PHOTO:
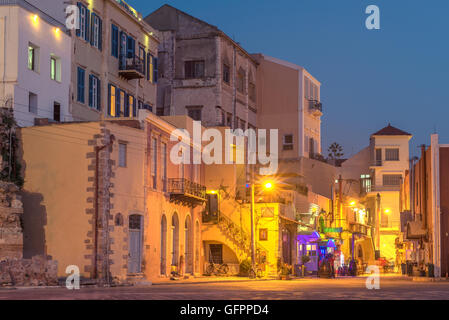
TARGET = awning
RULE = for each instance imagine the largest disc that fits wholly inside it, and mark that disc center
(415, 230)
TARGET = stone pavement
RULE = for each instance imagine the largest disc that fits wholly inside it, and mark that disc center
(391, 288)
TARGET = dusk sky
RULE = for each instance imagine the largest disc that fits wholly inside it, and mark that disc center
(398, 74)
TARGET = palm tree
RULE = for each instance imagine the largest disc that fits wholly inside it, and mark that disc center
(335, 151)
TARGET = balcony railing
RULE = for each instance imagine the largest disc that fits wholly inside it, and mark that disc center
(316, 107)
(131, 68)
(383, 188)
(186, 192)
(376, 163)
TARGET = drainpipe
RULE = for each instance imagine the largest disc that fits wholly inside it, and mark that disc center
(424, 184)
(98, 149)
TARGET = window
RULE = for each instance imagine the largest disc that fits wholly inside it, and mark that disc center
(392, 154)
(114, 41)
(263, 234)
(122, 154)
(112, 105)
(130, 47)
(378, 161)
(194, 113)
(132, 112)
(33, 57)
(226, 74)
(365, 180)
(150, 68)
(252, 92)
(120, 110)
(241, 81)
(216, 253)
(154, 162)
(155, 70)
(164, 166)
(288, 142)
(95, 92)
(160, 111)
(194, 69)
(143, 58)
(392, 179)
(80, 86)
(55, 68)
(32, 103)
(96, 32)
(84, 22)
(57, 112)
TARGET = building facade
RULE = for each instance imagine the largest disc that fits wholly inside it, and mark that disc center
(35, 64)
(425, 209)
(114, 62)
(203, 73)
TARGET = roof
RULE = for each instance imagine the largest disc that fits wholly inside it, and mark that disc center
(391, 131)
(168, 8)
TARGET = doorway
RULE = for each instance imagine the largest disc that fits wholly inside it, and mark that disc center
(135, 244)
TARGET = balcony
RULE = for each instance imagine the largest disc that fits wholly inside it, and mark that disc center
(185, 192)
(383, 188)
(356, 227)
(131, 68)
(376, 163)
(316, 107)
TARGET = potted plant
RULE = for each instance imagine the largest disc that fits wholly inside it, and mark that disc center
(304, 260)
(285, 271)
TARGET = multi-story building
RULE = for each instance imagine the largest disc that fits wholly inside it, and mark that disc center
(114, 61)
(425, 207)
(124, 210)
(289, 100)
(35, 63)
(203, 73)
(380, 169)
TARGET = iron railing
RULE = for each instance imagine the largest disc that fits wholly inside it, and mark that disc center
(186, 187)
(131, 64)
(315, 105)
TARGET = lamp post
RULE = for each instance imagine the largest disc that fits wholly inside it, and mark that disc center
(268, 186)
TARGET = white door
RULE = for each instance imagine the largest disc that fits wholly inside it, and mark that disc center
(135, 244)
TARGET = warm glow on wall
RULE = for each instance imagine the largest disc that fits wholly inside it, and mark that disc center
(387, 211)
(35, 20)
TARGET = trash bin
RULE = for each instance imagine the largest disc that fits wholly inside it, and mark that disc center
(430, 270)
(404, 268)
(409, 269)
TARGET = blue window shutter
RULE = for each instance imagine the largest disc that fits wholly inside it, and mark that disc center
(90, 90)
(92, 25)
(98, 94)
(148, 66)
(78, 31)
(126, 106)
(134, 108)
(78, 96)
(117, 103)
(114, 41)
(100, 34)
(87, 25)
(155, 71)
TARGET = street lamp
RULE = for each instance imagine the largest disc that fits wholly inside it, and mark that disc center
(268, 186)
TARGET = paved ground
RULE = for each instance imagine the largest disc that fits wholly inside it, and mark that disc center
(340, 288)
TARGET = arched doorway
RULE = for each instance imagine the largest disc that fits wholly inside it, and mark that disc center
(175, 239)
(163, 245)
(197, 247)
(188, 245)
(135, 243)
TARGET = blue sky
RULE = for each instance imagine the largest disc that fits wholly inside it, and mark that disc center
(398, 74)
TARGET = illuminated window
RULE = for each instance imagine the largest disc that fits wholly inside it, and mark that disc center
(33, 57)
(53, 68)
(112, 100)
(131, 107)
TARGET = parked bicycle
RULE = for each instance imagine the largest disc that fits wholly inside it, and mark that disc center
(217, 269)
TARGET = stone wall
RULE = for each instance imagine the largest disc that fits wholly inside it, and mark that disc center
(14, 270)
(11, 235)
